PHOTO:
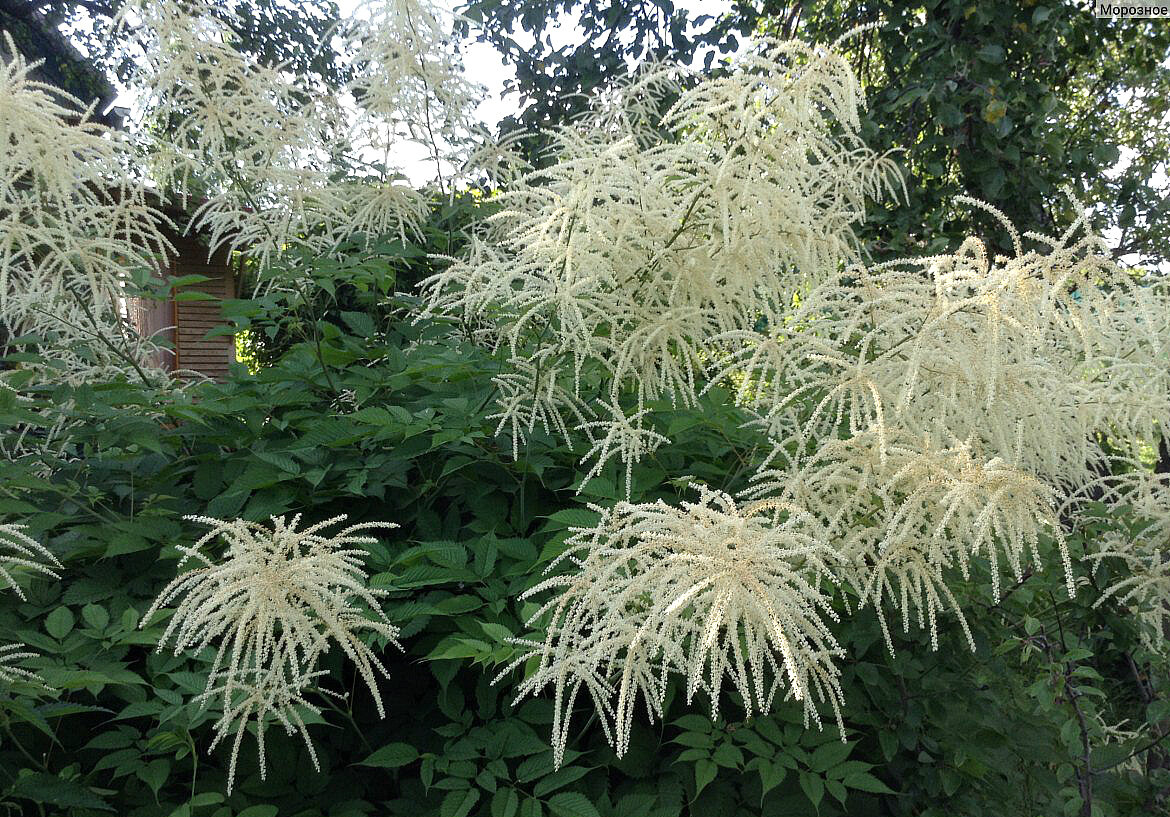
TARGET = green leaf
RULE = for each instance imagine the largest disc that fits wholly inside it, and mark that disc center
(95, 616)
(51, 790)
(693, 723)
(186, 280)
(155, 774)
(259, 811)
(59, 623)
(813, 787)
(360, 322)
(505, 803)
(771, 775)
(282, 461)
(459, 647)
(829, 755)
(571, 804)
(194, 295)
(572, 518)
(459, 803)
(392, 756)
(697, 740)
(560, 779)
(728, 755)
(990, 53)
(863, 781)
(705, 771)
(496, 632)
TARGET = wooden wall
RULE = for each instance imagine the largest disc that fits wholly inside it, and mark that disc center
(156, 319)
(189, 321)
(193, 319)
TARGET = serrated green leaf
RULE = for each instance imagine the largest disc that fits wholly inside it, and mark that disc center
(54, 791)
(59, 623)
(95, 616)
(559, 779)
(571, 804)
(391, 756)
(505, 803)
(259, 811)
(705, 771)
(866, 782)
(829, 755)
(459, 803)
(813, 787)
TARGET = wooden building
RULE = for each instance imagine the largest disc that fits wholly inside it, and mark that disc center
(184, 324)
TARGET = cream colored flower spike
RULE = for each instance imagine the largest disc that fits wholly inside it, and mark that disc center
(74, 223)
(19, 550)
(654, 233)
(277, 164)
(270, 606)
(709, 591)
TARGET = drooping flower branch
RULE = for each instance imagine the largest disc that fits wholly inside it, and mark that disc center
(271, 162)
(709, 591)
(933, 417)
(270, 606)
(641, 243)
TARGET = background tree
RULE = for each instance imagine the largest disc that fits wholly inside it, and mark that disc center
(84, 63)
(1005, 101)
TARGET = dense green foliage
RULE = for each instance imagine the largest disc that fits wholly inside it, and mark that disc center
(365, 413)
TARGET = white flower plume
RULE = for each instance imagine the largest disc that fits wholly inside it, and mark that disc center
(275, 163)
(709, 591)
(19, 550)
(12, 674)
(270, 606)
(74, 225)
(653, 233)
(530, 393)
(1143, 552)
(1021, 362)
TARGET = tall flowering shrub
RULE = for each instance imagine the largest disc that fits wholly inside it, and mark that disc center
(924, 413)
(915, 425)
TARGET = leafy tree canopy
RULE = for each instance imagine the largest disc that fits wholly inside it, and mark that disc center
(275, 31)
(1003, 100)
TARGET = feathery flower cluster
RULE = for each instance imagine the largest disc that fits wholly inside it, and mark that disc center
(73, 226)
(278, 163)
(27, 553)
(1144, 554)
(1019, 361)
(529, 394)
(906, 512)
(19, 550)
(651, 234)
(925, 414)
(12, 674)
(271, 607)
(707, 591)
